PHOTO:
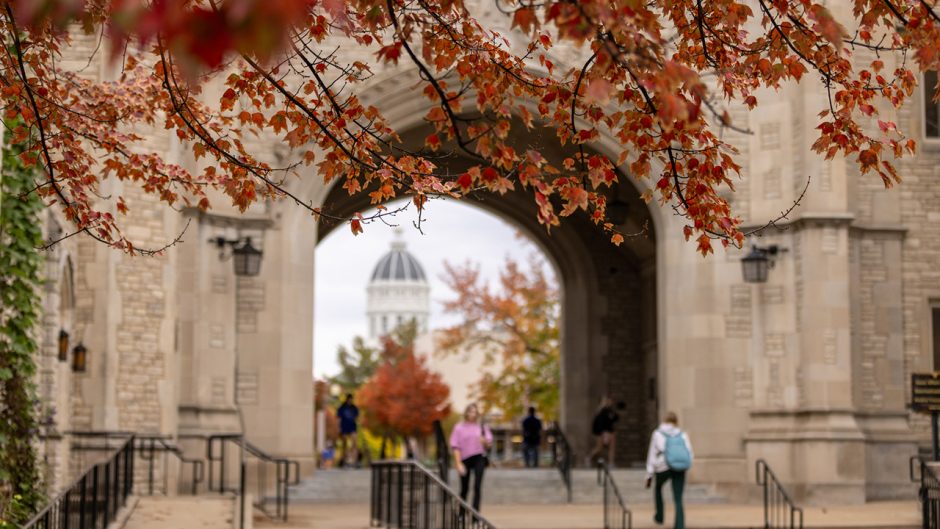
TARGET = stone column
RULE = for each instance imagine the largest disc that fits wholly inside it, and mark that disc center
(275, 341)
(206, 330)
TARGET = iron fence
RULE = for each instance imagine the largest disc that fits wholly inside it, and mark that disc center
(406, 495)
(779, 509)
(929, 492)
(93, 500)
(616, 513)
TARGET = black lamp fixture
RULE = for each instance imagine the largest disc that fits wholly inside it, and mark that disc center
(246, 257)
(63, 345)
(79, 358)
(756, 264)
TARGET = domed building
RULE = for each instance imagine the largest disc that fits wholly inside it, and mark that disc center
(398, 292)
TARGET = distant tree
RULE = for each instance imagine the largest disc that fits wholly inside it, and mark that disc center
(322, 401)
(356, 364)
(404, 397)
(517, 327)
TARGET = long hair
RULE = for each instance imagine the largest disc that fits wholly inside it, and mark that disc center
(473, 406)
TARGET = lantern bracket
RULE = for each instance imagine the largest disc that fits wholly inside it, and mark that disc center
(247, 257)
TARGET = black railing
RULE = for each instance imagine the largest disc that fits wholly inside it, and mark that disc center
(562, 457)
(929, 492)
(153, 451)
(442, 449)
(152, 448)
(779, 509)
(616, 513)
(93, 500)
(405, 494)
(230, 456)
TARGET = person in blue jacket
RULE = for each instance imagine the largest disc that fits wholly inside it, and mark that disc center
(348, 414)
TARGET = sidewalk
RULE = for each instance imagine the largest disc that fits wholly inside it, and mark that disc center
(182, 512)
(882, 515)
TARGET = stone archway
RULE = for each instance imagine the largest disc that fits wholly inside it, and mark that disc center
(608, 304)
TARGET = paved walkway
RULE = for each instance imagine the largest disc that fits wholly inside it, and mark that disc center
(182, 512)
(883, 515)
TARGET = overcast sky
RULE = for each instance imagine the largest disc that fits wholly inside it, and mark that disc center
(452, 231)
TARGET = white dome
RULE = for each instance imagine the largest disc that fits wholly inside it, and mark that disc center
(398, 265)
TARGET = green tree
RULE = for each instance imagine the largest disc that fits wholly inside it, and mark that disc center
(20, 306)
(517, 327)
(356, 363)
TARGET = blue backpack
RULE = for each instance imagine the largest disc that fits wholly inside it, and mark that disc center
(677, 452)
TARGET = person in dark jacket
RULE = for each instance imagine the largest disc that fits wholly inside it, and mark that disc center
(348, 414)
(603, 430)
(531, 439)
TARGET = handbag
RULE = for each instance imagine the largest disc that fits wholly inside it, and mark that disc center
(486, 450)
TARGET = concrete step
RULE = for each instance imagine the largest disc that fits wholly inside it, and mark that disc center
(541, 486)
(882, 515)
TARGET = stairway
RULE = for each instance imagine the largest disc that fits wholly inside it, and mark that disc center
(500, 487)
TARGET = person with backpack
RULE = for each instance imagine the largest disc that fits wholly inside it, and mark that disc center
(669, 457)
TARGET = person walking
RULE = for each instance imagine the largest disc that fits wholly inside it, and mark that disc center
(348, 414)
(603, 430)
(531, 439)
(469, 441)
(668, 459)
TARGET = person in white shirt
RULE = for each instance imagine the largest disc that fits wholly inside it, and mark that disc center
(671, 468)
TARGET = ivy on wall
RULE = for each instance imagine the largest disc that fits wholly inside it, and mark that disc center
(20, 308)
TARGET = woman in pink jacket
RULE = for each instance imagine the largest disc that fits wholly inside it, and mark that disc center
(470, 440)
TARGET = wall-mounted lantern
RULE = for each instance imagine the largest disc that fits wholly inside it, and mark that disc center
(247, 258)
(63, 345)
(79, 358)
(756, 264)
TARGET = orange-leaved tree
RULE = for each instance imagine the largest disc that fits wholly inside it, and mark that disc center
(516, 326)
(653, 80)
(403, 397)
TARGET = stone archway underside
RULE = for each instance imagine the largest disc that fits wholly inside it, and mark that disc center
(609, 306)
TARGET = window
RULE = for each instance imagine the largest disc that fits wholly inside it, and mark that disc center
(931, 107)
(384, 324)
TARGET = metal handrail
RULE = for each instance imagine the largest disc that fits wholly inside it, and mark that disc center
(147, 447)
(612, 492)
(286, 473)
(779, 509)
(93, 499)
(562, 457)
(407, 494)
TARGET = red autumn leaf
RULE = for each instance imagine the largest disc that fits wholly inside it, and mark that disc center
(525, 19)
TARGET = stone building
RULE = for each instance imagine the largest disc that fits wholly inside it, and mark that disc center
(809, 370)
(398, 293)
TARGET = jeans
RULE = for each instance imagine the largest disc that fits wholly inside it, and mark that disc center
(530, 454)
(475, 467)
(678, 484)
